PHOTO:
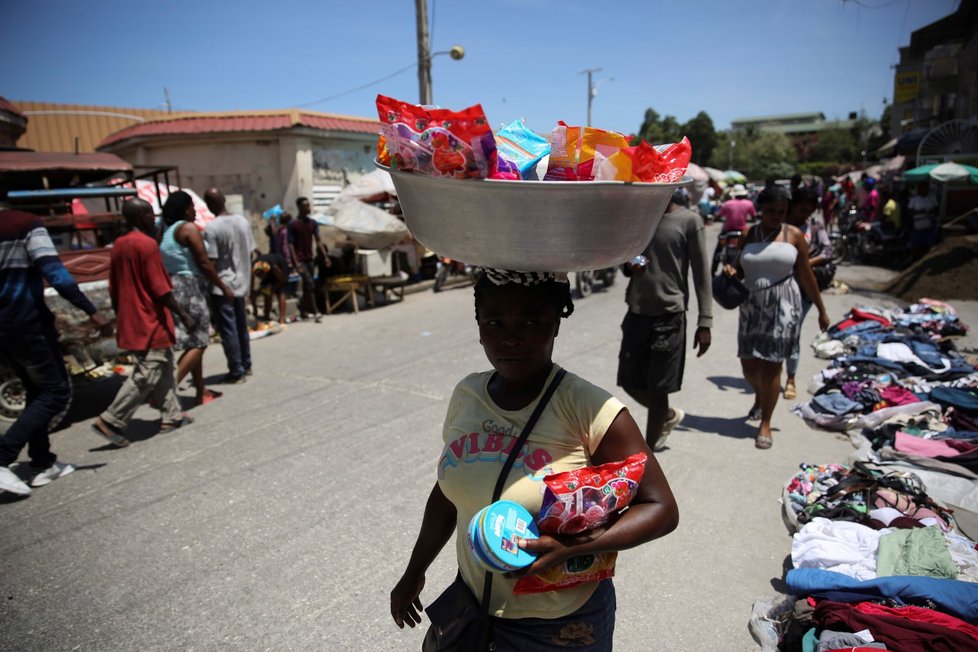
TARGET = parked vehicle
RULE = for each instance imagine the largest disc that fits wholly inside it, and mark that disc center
(585, 280)
(857, 240)
(79, 198)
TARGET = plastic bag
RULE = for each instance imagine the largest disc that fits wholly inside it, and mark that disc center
(521, 146)
(588, 154)
(767, 619)
(585, 498)
(437, 142)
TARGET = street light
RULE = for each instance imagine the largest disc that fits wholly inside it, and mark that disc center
(424, 55)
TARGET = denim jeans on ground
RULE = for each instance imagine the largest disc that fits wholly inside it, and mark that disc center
(153, 373)
(232, 325)
(589, 629)
(36, 360)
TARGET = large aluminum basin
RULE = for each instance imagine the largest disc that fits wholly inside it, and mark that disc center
(533, 226)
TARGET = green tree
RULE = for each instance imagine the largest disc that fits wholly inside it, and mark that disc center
(754, 155)
(702, 136)
(651, 129)
(835, 145)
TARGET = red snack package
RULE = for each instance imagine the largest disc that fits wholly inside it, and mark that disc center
(579, 500)
(438, 142)
(585, 498)
(643, 162)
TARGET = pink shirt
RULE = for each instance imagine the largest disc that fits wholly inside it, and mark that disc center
(735, 213)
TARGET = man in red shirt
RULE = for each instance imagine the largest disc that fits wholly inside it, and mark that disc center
(141, 295)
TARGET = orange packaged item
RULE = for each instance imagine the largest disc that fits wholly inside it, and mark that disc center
(575, 151)
(438, 142)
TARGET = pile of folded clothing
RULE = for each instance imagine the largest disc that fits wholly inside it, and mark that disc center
(876, 563)
(883, 553)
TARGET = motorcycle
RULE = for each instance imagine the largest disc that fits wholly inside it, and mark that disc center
(856, 240)
(446, 268)
(585, 280)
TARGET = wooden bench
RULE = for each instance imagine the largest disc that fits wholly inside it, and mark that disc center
(350, 287)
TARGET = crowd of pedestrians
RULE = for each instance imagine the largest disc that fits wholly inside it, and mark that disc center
(166, 284)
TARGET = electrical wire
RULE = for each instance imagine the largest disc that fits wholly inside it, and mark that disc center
(358, 88)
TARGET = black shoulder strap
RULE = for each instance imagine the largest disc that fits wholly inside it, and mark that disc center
(541, 404)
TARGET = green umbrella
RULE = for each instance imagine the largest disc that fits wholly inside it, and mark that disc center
(943, 172)
(735, 177)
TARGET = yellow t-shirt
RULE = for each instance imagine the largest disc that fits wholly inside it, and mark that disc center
(891, 211)
(478, 435)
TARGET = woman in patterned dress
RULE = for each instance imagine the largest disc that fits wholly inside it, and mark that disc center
(185, 258)
(772, 254)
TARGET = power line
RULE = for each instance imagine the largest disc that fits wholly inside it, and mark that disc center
(358, 88)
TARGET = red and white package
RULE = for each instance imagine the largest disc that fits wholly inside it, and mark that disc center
(585, 498)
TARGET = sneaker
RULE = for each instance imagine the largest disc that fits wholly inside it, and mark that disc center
(677, 417)
(234, 380)
(55, 471)
(10, 482)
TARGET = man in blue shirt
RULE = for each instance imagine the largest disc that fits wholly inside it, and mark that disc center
(29, 343)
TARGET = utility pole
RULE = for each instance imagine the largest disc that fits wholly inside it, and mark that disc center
(166, 100)
(424, 57)
(590, 90)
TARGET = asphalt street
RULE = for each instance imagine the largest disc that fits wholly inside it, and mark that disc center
(283, 516)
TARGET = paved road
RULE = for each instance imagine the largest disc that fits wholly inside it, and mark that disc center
(283, 516)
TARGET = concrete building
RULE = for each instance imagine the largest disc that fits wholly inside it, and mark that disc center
(266, 157)
(936, 80)
(791, 124)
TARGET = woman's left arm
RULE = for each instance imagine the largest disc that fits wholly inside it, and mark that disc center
(805, 276)
(652, 514)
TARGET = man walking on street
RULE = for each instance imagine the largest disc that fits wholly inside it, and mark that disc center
(141, 295)
(231, 244)
(653, 347)
(305, 245)
(29, 343)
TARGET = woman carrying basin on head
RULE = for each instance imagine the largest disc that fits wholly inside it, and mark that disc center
(519, 316)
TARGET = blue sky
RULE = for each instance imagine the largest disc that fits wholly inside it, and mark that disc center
(731, 59)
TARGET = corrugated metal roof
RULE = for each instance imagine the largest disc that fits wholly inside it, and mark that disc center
(53, 127)
(34, 161)
(810, 116)
(240, 121)
(6, 105)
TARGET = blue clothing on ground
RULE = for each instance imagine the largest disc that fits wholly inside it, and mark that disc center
(954, 596)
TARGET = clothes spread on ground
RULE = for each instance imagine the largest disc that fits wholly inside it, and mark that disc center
(877, 561)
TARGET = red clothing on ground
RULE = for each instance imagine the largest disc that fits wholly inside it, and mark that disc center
(735, 213)
(137, 281)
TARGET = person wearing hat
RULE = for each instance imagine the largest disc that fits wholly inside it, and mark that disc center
(737, 210)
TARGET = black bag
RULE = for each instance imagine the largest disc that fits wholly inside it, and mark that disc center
(824, 275)
(460, 623)
(728, 291)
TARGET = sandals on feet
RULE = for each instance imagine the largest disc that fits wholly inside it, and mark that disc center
(789, 390)
(763, 442)
(105, 431)
(173, 425)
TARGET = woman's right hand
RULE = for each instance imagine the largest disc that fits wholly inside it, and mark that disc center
(406, 602)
